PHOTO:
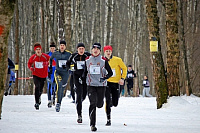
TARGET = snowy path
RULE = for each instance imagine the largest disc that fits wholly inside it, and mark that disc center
(133, 115)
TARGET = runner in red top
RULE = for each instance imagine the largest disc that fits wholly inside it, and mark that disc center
(38, 64)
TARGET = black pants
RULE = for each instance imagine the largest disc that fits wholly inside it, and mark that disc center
(129, 85)
(112, 96)
(81, 92)
(61, 78)
(72, 93)
(96, 96)
(39, 84)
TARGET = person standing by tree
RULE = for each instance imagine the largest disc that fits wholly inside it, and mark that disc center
(61, 73)
(78, 59)
(130, 75)
(146, 88)
(38, 64)
(51, 83)
(97, 70)
(114, 82)
(10, 66)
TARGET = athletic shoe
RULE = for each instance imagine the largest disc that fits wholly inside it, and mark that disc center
(37, 106)
(108, 123)
(93, 128)
(73, 101)
(58, 107)
(79, 120)
(49, 104)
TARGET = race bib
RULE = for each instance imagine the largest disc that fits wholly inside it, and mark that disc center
(80, 64)
(144, 82)
(94, 69)
(130, 75)
(114, 73)
(38, 64)
(62, 62)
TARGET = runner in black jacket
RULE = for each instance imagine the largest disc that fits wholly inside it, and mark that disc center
(78, 59)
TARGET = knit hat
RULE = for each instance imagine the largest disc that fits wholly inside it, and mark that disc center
(97, 45)
(129, 66)
(80, 45)
(52, 44)
(108, 47)
(63, 42)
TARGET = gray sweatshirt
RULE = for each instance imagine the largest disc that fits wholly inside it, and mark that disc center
(96, 68)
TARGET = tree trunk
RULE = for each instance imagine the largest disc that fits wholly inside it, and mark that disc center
(6, 14)
(173, 51)
(184, 50)
(68, 27)
(156, 57)
(16, 46)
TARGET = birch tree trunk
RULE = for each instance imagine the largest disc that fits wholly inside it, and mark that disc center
(6, 14)
(173, 51)
(156, 57)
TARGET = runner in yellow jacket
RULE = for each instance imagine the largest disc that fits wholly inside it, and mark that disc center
(119, 74)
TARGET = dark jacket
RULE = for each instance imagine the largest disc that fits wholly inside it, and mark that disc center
(10, 65)
(78, 61)
(61, 60)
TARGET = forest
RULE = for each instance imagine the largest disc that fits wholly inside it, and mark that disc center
(129, 26)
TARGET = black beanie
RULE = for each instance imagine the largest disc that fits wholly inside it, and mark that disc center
(97, 45)
(63, 42)
(52, 44)
(80, 45)
(129, 66)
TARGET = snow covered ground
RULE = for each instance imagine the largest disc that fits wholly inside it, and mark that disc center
(133, 115)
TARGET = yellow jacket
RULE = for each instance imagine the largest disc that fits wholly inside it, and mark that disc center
(117, 65)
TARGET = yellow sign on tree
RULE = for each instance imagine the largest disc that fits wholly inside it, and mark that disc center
(153, 46)
(16, 67)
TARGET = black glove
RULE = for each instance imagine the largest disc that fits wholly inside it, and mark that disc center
(83, 66)
(102, 80)
(63, 66)
(50, 70)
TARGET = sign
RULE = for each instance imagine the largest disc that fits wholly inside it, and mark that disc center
(153, 46)
(16, 67)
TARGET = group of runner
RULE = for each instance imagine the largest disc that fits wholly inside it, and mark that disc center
(93, 75)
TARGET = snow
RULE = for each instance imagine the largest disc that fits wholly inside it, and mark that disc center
(133, 115)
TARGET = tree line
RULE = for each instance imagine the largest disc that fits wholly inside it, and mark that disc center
(127, 25)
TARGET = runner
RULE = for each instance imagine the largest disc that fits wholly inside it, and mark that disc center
(97, 70)
(78, 59)
(38, 64)
(119, 74)
(61, 73)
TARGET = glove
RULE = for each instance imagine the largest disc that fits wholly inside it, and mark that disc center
(83, 66)
(63, 66)
(50, 70)
(32, 69)
(102, 80)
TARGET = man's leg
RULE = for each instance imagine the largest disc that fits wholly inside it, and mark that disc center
(108, 104)
(92, 94)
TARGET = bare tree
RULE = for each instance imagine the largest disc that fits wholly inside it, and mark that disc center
(6, 14)
(173, 51)
(156, 57)
(16, 45)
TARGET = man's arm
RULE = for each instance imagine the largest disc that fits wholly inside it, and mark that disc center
(109, 70)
